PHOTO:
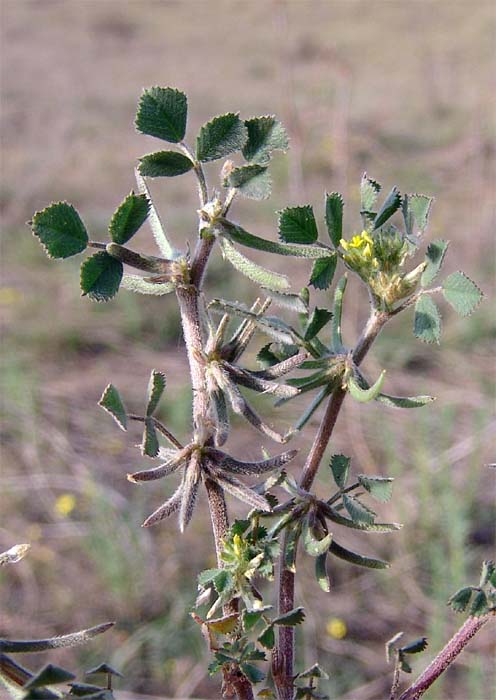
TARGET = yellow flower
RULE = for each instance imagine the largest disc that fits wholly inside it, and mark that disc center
(65, 504)
(336, 628)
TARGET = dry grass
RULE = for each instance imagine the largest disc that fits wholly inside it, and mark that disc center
(400, 89)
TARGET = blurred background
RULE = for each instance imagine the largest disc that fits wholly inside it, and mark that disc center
(402, 90)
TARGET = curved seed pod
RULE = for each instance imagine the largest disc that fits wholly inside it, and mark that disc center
(242, 407)
(236, 466)
(191, 481)
(166, 509)
(247, 379)
(67, 640)
(168, 467)
(238, 489)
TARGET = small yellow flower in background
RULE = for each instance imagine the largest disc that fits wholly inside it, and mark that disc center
(336, 628)
(65, 504)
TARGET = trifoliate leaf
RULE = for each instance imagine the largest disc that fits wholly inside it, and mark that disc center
(149, 445)
(60, 230)
(265, 135)
(268, 638)
(479, 605)
(164, 164)
(220, 137)
(291, 618)
(321, 572)
(365, 395)
(254, 272)
(162, 112)
(415, 647)
(323, 272)
(49, 675)
(112, 403)
(404, 401)
(379, 487)
(427, 321)
(354, 558)
(463, 294)
(252, 181)
(156, 387)
(297, 225)
(340, 467)
(460, 599)
(101, 276)
(391, 204)
(357, 510)
(334, 217)
(434, 257)
(253, 673)
(128, 218)
(317, 321)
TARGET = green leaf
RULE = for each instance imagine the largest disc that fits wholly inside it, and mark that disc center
(145, 285)
(49, 675)
(317, 321)
(427, 321)
(479, 605)
(354, 558)
(379, 487)
(220, 137)
(290, 619)
(39, 694)
(265, 135)
(334, 217)
(487, 572)
(297, 225)
(357, 510)
(103, 669)
(404, 401)
(254, 272)
(112, 403)
(268, 638)
(323, 272)
(321, 572)
(252, 617)
(128, 218)
(293, 535)
(369, 191)
(239, 235)
(313, 546)
(162, 112)
(252, 181)
(365, 395)
(404, 665)
(419, 208)
(164, 164)
(460, 599)
(391, 204)
(340, 467)
(336, 333)
(208, 576)
(252, 672)
(156, 387)
(101, 276)
(336, 517)
(150, 445)
(434, 257)
(415, 647)
(463, 294)
(60, 230)
(314, 671)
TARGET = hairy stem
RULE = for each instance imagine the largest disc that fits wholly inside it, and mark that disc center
(283, 660)
(446, 657)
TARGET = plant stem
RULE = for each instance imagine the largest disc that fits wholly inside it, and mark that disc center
(446, 657)
(283, 659)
